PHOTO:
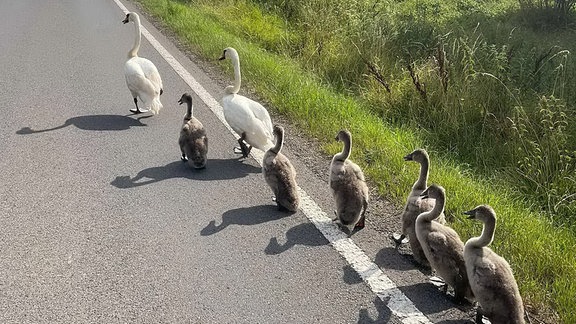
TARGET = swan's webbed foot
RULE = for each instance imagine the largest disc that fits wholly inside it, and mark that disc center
(137, 110)
(245, 149)
(439, 282)
(480, 319)
(400, 238)
(245, 152)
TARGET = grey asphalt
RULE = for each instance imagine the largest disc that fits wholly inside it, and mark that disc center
(100, 221)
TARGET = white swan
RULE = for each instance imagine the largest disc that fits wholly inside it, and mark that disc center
(491, 277)
(249, 119)
(142, 77)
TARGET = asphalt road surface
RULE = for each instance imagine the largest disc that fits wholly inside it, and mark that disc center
(100, 221)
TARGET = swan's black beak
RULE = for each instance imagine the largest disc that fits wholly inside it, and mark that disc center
(223, 57)
(180, 101)
(408, 157)
(125, 21)
(471, 214)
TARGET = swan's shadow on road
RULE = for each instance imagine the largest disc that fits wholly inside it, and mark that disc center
(216, 169)
(245, 216)
(302, 234)
(93, 123)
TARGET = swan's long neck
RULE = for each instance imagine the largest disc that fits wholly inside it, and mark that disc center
(137, 39)
(422, 181)
(435, 212)
(279, 143)
(487, 235)
(237, 77)
(188, 115)
(342, 156)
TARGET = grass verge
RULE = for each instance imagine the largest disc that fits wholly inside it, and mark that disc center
(542, 256)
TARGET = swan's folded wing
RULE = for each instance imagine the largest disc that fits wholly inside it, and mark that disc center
(154, 77)
(150, 72)
(262, 114)
(143, 87)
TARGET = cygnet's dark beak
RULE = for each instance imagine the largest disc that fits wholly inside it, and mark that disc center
(471, 214)
(180, 101)
(408, 157)
(424, 194)
(125, 21)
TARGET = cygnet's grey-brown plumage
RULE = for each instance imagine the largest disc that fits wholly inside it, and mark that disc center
(490, 275)
(280, 174)
(193, 141)
(348, 186)
(415, 205)
(442, 245)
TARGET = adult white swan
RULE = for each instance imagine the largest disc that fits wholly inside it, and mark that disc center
(142, 77)
(249, 119)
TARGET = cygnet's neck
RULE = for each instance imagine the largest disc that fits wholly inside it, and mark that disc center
(487, 235)
(342, 156)
(422, 181)
(188, 115)
(279, 142)
(435, 212)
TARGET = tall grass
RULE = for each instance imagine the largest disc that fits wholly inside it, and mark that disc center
(483, 115)
(465, 72)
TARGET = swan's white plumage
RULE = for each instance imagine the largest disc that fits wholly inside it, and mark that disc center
(142, 77)
(244, 115)
(247, 116)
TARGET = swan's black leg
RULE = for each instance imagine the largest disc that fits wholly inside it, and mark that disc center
(243, 147)
(399, 238)
(479, 315)
(137, 110)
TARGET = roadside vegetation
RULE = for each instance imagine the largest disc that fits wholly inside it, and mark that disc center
(485, 87)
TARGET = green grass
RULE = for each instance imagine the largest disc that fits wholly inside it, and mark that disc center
(542, 255)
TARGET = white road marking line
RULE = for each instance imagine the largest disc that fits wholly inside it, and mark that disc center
(400, 305)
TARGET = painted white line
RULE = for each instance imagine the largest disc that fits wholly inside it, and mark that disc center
(400, 305)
